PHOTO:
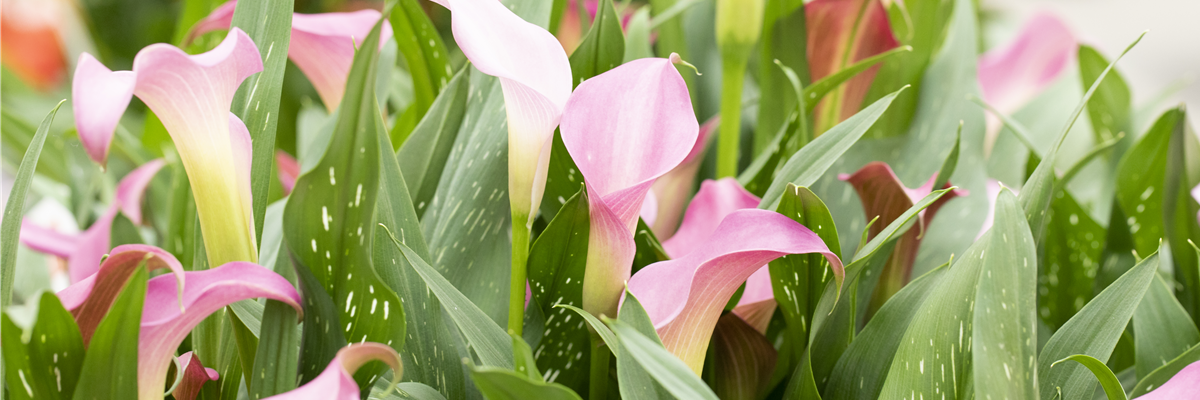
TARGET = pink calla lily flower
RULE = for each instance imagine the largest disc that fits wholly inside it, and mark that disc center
(840, 33)
(715, 201)
(671, 191)
(195, 375)
(337, 381)
(1013, 74)
(685, 296)
(884, 196)
(624, 129)
(288, 169)
(84, 251)
(174, 303)
(535, 77)
(191, 94)
(322, 45)
(1184, 385)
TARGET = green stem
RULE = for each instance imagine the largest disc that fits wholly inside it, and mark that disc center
(520, 258)
(732, 76)
(598, 382)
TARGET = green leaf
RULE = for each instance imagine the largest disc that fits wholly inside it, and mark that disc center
(504, 384)
(1110, 107)
(556, 265)
(602, 49)
(860, 372)
(110, 366)
(668, 370)
(637, 36)
(635, 382)
(405, 391)
(1108, 380)
(523, 361)
(427, 60)
(491, 344)
(1093, 331)
(422, 156)
(1070, 260)
(327, 220)
(562, 178)
(1163, 328)
(43, 359)
(10, 229)
(817, 90)
(16, 135)
(744, 359)
(784, 38)
(811, 162)
(1140, 179)
(649, 249)
(798, 280)
(1180, 210)
(269, 24)
(276, 361)
(1164, 373)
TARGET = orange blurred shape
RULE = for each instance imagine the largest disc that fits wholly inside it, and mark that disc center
(30, 44)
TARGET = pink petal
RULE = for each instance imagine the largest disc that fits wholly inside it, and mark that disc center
(1015, 73)
(883, 195)
(99, 97)
(165, 323)
(714, 201)
(46, 240)
(322, 46)
(831, 27)
(1184, 385)
(219, 19)
(758, 300)
(194, 377)
(337, 382)
(685, 296)
(535, 77)
(624, 129)
(90, 298)
(649, 211)
(288, 168)
(674, 188)
(132, 186)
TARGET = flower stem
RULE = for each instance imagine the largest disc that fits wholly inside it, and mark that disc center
(520, 258)
(732, 77)
(598, 381)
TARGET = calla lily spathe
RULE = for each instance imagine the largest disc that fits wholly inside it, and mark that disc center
(840, 33)
(535, 77)
(174, 305)
(671, 191)
(624, 129)
(322, 45)
(191, 95)
(337, 381)
(195, 375)
(84, 251)
(1013, 74)
(685, 296)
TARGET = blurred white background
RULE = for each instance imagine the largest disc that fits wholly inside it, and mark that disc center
(1167, 56)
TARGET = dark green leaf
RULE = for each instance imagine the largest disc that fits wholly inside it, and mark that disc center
(427, 60)
(1163, 328)
(10, 229)
(602, 49)
(422, 156)
(798, 280)
(556, 265)
(110, 366)
(43, 360)
(504, 384)
(784, 38)
(1071, 252)
(269, 24)
(1093, 331)
(1108, 380)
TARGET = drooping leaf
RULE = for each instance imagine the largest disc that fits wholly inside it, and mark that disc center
(14, 207)
(1108, 380)
(327, 221)
(1163, 330)
(43, 361)
(1093, 331)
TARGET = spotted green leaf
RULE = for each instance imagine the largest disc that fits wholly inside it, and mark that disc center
(43, 359)
(1110, 107)
(556, 265)
(798, 280)
(1070, 260)
(327, 223)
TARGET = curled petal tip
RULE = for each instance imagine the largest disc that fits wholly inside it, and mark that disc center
(99, 97)
(337, 381)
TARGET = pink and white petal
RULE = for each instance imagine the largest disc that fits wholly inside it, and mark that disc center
(46, 240)
(133, 186)
(758, 301)
(91, 246)
(99, 97)
(675, 188)
(165, 323)
(629, 126)
(1184, 385)
(337, 382)
(288, 169)
(685, 296)
(714, 201)
(609, 259)
(649, 211)
(1015, 73)
(89, 299)
(220, 19)
(195, 375)
(833, 31)
(322, 46)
